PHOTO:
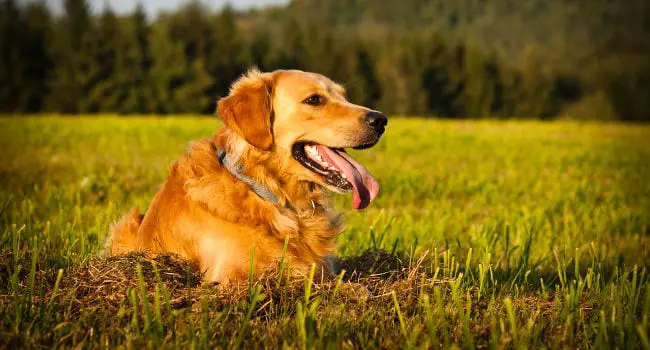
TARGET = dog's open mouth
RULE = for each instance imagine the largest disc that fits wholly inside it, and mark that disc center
(338, 169)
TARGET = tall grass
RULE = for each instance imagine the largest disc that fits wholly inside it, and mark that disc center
(509, 234)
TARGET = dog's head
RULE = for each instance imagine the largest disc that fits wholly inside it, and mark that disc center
(304, 118)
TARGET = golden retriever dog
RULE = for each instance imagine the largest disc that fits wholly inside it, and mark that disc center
(261, 179)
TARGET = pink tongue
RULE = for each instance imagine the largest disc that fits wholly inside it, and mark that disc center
(365, 186)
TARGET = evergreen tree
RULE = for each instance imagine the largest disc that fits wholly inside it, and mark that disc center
(133, 69)
(405, 80)
(533, 88)
(104, 53)
(441, 77)
(226, 58)
(260, 50)
(71, 35)
(36, 61)
(11, 64)
(292, 51)
(478, 94)
(191, 25)
(175, 86)
(367, 71)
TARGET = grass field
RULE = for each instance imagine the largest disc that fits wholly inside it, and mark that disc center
(500, 234)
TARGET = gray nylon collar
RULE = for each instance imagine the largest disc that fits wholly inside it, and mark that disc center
(236, 170)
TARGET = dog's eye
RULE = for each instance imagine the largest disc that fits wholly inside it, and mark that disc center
(314, 100)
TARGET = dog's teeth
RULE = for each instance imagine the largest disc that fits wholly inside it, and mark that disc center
(344, 176)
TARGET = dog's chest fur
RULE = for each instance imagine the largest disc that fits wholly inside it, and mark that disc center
(302, 213)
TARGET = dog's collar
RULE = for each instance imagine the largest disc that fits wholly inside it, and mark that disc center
(236, 170)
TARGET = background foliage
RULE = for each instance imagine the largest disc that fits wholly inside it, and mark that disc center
(470, 58)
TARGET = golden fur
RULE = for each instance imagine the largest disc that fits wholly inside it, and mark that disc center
(204, 213)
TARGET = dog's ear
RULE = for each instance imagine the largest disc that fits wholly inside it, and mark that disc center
(247, 109)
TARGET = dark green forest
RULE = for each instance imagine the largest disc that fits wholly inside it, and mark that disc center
(582, 59)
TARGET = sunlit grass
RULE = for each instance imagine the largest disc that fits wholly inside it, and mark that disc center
(513, 233)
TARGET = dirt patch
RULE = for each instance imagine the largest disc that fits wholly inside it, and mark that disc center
(107, 282)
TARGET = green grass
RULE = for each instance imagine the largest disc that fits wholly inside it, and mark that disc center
(500, 234)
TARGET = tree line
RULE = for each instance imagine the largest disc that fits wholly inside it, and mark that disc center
(182, 61)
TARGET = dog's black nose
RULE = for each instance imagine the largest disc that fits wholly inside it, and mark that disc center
(377, 121)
